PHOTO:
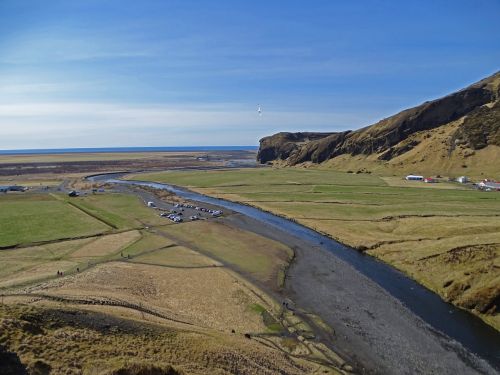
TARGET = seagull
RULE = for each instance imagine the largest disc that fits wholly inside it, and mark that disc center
(259, 110)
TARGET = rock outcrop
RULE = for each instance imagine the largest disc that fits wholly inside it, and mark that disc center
(478, 105)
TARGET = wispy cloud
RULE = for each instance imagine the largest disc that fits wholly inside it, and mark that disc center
(63, 45)
(124, 125)
(332, 66)
(42, 88)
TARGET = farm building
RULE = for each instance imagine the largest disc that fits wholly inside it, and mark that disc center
(5, 189)
(463, 179)
(489, 185)
(430, 180)
(412, 177)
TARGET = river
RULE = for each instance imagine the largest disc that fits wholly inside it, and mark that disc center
(462, 326)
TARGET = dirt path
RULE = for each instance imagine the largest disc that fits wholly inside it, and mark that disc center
(100, 301)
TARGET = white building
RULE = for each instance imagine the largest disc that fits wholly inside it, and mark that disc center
(412, 177)
(491, 185)
(463, 179)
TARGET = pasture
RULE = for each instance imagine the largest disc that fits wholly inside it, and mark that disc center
(120, 211)
(110, 258)
(249, 253)
(25, 219)
(446, 237)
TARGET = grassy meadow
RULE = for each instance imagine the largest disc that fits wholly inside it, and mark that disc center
(120, 211)
(29, 265)
(45, 233)
(446, 237)
(25, 219)
(250, 253)
(173, 295)
(30, 218)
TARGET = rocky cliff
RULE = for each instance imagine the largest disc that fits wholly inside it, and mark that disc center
(470, 118)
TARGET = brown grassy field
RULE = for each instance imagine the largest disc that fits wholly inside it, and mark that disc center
(37, 263)
(166, 295)
(182, 301)
(95, 156)
(82, 341)
(431, 156)
(176, 256)
(209, 297)
(446, 237)
(257, 256)
(31, 182)
(107, 245)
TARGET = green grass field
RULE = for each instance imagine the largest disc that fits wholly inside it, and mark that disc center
(256, 177)
(25, 219)
(121, 211)
(28, 219)
(446, 237)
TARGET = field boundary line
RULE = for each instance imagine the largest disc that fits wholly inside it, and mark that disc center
(91, 214)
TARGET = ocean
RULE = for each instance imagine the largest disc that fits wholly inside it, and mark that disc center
(126, 149)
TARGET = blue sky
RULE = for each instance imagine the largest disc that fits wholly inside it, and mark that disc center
(100, 73)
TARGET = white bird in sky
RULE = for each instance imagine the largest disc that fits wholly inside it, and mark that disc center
(259, 110)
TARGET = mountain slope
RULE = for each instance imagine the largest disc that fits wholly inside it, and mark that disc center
(461, 130)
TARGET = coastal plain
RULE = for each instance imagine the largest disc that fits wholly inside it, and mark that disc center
(100, 283)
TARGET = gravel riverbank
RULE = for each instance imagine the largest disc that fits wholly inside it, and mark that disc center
(372, 328)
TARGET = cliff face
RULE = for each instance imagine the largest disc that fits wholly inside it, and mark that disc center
(283, 145)
(477, 107)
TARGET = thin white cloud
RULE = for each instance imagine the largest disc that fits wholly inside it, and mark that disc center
(43, 125)
(21, 88)
(64, 45)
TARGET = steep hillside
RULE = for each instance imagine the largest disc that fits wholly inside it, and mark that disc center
(450, 134)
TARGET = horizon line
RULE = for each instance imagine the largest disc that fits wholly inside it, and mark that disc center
(70, 150)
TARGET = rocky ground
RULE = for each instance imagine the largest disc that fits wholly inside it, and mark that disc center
(371, 327)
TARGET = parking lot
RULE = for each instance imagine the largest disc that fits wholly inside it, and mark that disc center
(186, 212)
(177, 212)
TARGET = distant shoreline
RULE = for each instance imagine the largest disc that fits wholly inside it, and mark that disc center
(125, 149)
